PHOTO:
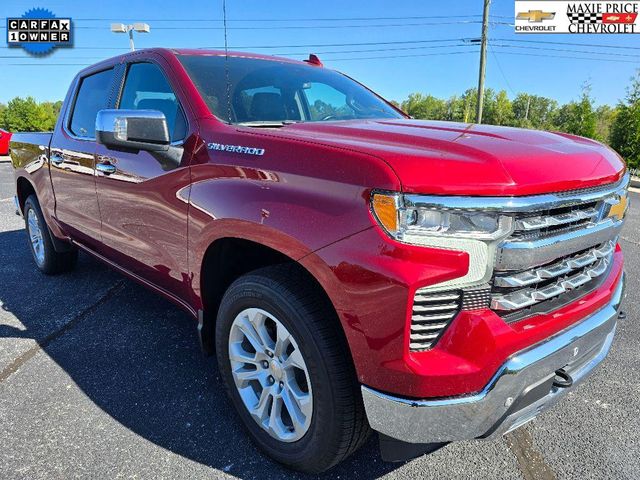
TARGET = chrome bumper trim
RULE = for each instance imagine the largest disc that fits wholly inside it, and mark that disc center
(506, 402)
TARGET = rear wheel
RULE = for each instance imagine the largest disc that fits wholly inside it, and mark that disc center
(288, 371)
(44, 254)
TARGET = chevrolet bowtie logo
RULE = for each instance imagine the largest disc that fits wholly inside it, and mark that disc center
(535, 16)
(619, 207)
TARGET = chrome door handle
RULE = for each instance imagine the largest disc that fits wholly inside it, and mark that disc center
(106, 168)
(57, 159)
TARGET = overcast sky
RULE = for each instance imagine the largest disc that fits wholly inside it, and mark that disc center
(424, 44)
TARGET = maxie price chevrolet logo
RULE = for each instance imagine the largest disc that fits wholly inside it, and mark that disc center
(602, 17)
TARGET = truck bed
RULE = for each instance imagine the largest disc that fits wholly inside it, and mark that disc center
(26, 148)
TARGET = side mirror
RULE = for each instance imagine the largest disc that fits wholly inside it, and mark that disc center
(133, 130)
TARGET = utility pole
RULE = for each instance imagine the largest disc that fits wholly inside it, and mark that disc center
(138, 27)
(483, 60)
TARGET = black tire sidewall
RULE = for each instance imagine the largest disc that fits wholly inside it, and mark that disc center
(251, 292)
(32, 204)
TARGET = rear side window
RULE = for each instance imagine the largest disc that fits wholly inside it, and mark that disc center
(146, 88)
(92, 97)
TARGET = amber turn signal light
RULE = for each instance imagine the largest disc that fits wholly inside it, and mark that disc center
(385, 209)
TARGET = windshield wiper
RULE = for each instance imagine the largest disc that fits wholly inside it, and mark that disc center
(267, 123)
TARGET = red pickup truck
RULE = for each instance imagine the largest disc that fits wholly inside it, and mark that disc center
(353, 269)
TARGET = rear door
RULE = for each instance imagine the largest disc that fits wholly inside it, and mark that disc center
(72, 157)
(143, 204)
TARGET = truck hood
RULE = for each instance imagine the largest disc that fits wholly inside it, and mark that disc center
(462, 159)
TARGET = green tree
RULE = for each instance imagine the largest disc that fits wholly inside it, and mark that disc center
(26, 115)
(454, 109)
(498, 109)
(625, 130)
(605, 116)
(578, 118)
(425, 106)
(469, 101)
(533, 111)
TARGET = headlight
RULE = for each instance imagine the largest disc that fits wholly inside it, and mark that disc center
(414, 221)
(411, 222)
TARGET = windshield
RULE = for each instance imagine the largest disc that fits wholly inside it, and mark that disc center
(265, 92)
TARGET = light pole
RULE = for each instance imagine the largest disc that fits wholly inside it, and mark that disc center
(138, 27)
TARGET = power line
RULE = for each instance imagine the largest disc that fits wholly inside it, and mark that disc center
(404, 56)
(573, 44)
(495, 57)
(317, 45)
(380, 57)
(589, 52)
(318, 27)
(48, 64)
(306, 19)
(363, 44)
(370, 50)
(570, 57)
(402, 42)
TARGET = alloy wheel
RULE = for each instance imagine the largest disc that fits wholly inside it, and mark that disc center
(270, 374)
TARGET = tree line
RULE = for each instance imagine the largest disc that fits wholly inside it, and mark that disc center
(618, 126)
(27, 115)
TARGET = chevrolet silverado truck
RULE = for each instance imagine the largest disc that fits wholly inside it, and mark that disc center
(353, 269)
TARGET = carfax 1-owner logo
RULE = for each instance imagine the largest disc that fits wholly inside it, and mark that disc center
(39, 31)
(577, 17)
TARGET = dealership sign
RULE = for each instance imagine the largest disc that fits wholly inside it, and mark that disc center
(577, 17)
(39, 31)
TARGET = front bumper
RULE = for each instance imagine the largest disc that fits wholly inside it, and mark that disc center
(521, 389)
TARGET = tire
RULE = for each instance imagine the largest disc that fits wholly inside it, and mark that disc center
(43, 253)
(337, 425)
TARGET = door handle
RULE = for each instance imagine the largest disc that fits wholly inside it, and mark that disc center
(57, 159)
(106, 168)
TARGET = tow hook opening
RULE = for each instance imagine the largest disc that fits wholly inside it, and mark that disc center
(562, 379)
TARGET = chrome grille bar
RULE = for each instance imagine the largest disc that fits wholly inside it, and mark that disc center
(562, 267)
(530, 296)
(431, 314)
(545, 221)
(523, 255)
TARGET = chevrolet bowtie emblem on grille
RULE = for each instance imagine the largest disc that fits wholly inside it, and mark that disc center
(619, 208)
(536, 16)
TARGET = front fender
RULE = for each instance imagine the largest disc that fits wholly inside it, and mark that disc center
(294, 216)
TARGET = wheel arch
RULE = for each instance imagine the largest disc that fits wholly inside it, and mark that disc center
(228, 258)
(24, 188)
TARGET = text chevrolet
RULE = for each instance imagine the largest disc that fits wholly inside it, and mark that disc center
(352, 269)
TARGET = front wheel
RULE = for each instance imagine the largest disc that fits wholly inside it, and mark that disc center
(288, 371)
(44, 254)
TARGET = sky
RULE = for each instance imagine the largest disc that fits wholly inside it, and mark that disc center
(411, 46)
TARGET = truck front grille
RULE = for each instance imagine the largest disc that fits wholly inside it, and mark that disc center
(554, 221)
(558, 252)
(561, 248)
(514, 291)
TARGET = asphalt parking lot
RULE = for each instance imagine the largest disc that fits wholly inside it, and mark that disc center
(101, 378)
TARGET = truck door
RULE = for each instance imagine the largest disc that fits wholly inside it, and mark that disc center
(142, 200)
(72, 158)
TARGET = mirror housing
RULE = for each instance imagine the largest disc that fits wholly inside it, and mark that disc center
(133, 130)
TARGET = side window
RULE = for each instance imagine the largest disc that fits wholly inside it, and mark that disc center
(92, 97)
(325, 101)
(146, 88)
